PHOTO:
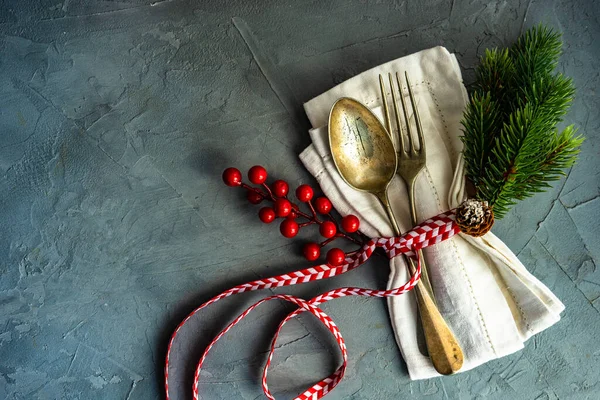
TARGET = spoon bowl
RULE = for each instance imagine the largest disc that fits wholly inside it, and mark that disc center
(362, 150)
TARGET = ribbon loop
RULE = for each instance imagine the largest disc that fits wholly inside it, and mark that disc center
(428, 233)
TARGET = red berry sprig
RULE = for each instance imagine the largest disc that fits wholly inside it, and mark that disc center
(282, 207)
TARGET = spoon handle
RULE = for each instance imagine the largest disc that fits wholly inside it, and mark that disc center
(385, 202)
(444, 350)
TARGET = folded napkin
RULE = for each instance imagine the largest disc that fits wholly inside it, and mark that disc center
(489, 299)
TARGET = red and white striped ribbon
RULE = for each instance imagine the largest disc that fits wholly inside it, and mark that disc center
(430, 232)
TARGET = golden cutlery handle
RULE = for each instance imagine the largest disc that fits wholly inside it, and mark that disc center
(385, 202)
(444, 351)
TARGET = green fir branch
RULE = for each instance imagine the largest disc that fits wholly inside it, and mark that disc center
(495, 75)
(480, 123)
(552, 95)
(535, 54)
(512, 149)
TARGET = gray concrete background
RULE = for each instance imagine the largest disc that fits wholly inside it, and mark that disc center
(116, 120)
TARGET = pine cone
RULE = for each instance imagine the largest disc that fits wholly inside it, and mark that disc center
(474, 217)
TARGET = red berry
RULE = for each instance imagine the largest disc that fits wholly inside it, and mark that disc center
(280, 188)
(328, 229)
(304, 193)
(266, 215)
(254, 197)
(257, 175)
(350, 223)
(323, 205)
(232, 177)
(336, 257)
(282, 207)
(289, 228)
(311, 251)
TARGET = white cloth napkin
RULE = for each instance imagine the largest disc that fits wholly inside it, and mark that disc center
(489, 299)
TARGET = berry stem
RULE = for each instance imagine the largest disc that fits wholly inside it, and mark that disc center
(255, 190)
(326, 242)
(268, 189)
(305, 215)
(348, 237)
(312, 210)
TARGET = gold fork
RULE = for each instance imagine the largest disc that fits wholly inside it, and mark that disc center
(444, 350)
(410, 162)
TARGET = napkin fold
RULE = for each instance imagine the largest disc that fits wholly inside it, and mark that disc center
(489, 299)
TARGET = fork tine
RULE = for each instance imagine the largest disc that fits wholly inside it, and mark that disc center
(385, 106)
(397, 115)
(405, 112)
(417, 119)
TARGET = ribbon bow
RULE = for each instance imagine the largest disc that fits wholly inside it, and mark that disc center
(430, 232)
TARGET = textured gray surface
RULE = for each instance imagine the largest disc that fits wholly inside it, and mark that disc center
(116, 120)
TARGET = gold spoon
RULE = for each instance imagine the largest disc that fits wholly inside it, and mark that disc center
(365, 157)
